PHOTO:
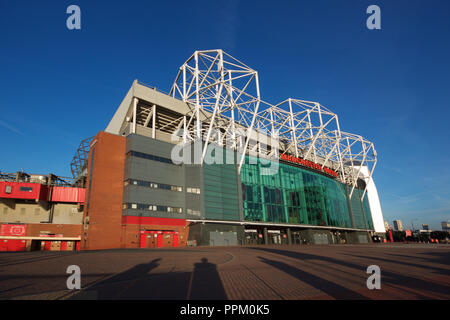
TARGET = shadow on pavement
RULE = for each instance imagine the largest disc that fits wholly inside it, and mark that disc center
(206, 283)
(417, 265)
(433, 257)
(139, 283)
(426, 288)
(330, 288)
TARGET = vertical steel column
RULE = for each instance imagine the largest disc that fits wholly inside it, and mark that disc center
(154, 122)
(135, 100)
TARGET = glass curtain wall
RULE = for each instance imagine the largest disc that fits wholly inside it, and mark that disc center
(297, 196)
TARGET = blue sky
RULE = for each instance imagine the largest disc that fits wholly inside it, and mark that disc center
(391, 86)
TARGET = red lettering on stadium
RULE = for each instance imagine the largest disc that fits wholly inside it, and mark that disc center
(309, 164)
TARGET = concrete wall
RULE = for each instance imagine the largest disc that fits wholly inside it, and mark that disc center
(19, 212)
(23, 213)
(202, 232)
(67, 213)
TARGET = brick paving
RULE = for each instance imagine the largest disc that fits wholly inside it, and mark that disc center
(408, 271)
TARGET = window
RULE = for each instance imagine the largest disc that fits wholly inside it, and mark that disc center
(149, 157)
(151, 207)
(26, 189)
(193, 212)
(153, 185)
(174, 210)
(193, 190)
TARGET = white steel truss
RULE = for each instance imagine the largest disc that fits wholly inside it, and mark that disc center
(224, 100)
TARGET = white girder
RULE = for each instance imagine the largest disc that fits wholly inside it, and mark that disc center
(223, 96)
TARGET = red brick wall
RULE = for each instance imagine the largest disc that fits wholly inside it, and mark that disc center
(105, 197)
(67, 230)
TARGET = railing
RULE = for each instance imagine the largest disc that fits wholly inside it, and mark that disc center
(28, 178)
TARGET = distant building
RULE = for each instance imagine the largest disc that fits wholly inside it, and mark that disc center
(445, 226)
(425, 227)
(386, 225)
(398, 226)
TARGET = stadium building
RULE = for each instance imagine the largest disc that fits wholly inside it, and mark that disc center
(211, 163)
(40, 212)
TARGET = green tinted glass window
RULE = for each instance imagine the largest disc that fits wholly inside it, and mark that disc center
(298, 196)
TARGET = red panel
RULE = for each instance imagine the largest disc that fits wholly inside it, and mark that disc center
(37, 190)
(48, 245)
(153, 221)
(13, 230)
(143, 243)
(175, 240)
(159, 240)
(3, 245)
(17, 245)
(68, 194)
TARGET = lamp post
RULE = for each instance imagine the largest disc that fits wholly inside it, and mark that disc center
(412, 224)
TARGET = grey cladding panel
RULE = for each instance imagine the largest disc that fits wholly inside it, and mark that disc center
(220, 238)
(154, 171)
(144, 195)
(148, 145)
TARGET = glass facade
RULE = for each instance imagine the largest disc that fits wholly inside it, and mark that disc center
(357, 210)
(366, 209)
(221, 192)
(299, 196)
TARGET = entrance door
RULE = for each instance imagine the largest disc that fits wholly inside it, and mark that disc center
(274, 238)
(175, 240)
(277, 239)
(152, 240)
(159, 240)
(251, 238)
(167, 239)
(47, 245)
(296, 239)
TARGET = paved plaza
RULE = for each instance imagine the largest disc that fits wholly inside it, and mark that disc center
(408, 271)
